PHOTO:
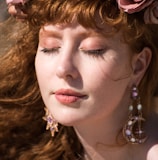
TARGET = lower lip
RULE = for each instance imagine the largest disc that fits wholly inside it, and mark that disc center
(66, 99)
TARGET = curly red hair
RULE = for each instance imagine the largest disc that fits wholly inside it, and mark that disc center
(22, 131)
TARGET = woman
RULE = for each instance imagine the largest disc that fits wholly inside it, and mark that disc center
(95, 64)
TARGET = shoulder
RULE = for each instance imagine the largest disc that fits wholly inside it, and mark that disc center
(153, 153)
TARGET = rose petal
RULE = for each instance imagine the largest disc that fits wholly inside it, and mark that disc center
(155, 11)
(17, 10)
(130, 6)
(146, 16)
(151, 14)
(16, 1)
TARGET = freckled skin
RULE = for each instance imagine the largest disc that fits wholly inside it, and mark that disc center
(84, 61)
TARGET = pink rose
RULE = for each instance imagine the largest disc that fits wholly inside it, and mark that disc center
(17, 9)
(131, 6)
(16, 1)
(151, 14)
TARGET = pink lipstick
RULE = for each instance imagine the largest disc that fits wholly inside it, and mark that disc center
(67, 96)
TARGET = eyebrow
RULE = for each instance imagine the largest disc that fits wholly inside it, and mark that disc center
(50, 32)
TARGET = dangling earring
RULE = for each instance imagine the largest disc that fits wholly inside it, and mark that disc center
(52, 124)
(132, 130)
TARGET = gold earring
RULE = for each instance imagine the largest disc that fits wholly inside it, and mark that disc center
(132, 131)
(52, 124)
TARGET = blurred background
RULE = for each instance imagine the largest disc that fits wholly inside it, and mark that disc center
(8, 29)
(3, 11)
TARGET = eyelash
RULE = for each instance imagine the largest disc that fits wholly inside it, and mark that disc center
(50, 51)
(94, 53)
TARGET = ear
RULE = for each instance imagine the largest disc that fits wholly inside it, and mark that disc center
(140, 64)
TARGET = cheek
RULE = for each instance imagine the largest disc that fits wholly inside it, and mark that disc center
(109, 87)
(106, 77)
(116, 68)
(110, 71)
(42, 72)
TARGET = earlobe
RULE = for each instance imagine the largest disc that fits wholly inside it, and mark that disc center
(140, 64)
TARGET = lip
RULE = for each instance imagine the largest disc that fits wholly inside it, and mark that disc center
(68, 96)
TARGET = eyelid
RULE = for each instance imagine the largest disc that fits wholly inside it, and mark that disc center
(50, 50)
(94, 51)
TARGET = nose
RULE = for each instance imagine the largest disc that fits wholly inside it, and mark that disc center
(66, 68)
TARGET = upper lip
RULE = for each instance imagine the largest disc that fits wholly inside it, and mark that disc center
(68, 92)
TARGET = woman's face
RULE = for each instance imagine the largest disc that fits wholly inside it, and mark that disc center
(82, 74)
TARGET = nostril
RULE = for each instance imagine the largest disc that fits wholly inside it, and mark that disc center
(69, 77)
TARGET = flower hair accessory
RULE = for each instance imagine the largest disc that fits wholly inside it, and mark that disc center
(16, 1)
(133, 6)
(16, 8)
(151, 14)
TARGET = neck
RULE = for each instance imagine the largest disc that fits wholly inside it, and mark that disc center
(101, 138)
(100, 144)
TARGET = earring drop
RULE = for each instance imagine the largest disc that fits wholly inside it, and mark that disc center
(132, 131)
(52, 124)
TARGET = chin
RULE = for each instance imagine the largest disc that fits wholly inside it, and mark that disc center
(69, 119)
(67, 116)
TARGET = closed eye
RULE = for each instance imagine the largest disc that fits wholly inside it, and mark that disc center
(50, 50)
(95, 52)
